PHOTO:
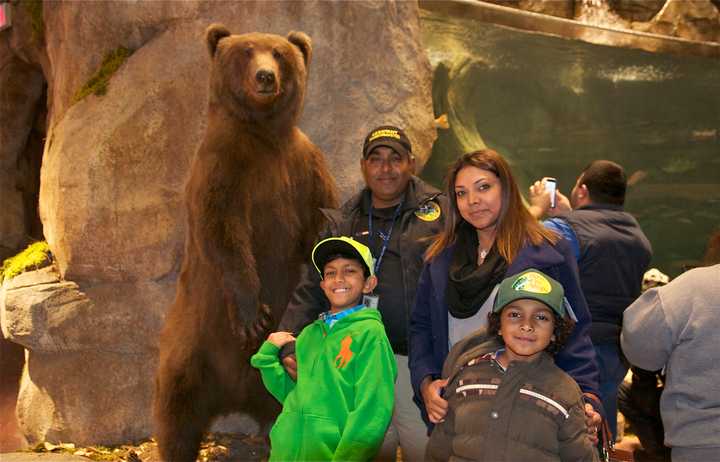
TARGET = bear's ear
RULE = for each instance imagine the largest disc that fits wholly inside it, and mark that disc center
(302, 41)
(214, 33)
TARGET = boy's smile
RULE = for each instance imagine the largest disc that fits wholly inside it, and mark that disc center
(527, 328)
(344, 283)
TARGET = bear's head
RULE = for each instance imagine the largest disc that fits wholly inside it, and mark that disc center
(258, 77)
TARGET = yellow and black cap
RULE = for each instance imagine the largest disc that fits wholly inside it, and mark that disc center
(341, 246)
(388, 136)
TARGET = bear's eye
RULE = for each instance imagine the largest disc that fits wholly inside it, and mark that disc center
(277, 54)
(248, 51)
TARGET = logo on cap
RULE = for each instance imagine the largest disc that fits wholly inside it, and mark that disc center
(384, 133)
(534, 283)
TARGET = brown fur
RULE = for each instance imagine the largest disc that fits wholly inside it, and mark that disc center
(255, 188)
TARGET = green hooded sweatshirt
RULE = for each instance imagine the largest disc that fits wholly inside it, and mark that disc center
(342, 403)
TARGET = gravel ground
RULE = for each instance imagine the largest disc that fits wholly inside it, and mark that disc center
(216, 448)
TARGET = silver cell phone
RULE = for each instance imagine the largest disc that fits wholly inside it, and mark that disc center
(551, 186)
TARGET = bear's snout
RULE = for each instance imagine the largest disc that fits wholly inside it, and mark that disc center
(266, 79)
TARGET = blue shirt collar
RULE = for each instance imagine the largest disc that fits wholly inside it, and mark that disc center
(331, 318)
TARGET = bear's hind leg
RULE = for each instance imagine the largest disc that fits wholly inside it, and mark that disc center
(182, 415)
(180, 429)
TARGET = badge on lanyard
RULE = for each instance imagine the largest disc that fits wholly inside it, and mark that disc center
(429, 211)
(371, 301)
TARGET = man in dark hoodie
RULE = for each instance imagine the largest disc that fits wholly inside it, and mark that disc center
(612, 254)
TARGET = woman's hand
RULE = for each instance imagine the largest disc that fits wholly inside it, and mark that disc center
(593, 421)
(280, 338)
(435, 405)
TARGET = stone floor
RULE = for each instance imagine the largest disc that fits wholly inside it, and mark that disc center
(216, 448)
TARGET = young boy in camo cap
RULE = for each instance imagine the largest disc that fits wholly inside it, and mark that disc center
(342, 403)
(507, 400)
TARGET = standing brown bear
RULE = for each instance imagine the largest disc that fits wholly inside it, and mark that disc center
(253, 198)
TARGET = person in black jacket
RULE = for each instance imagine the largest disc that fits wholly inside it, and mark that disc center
(395, 215)
(612, 253)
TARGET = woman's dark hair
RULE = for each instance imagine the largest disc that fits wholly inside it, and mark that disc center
(516, 227)
(562, 330)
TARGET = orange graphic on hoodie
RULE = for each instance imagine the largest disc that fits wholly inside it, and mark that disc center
(345, 354)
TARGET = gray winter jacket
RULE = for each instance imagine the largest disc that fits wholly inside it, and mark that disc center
(677, 327)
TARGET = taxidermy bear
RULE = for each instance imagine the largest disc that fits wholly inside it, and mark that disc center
(253, 197)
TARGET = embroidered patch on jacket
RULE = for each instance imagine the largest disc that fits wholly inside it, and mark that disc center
(343, 358)
(429, 211)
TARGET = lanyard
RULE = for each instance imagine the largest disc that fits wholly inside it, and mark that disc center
(385, 237)
(331, 318)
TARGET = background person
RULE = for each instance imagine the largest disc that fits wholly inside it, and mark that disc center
(489, 235)
(639, 399)
(507, 399)
(395, 215)
(676, 327)
(612, 253)
(342, 402)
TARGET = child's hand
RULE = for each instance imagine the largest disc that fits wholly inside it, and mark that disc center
(280, 338)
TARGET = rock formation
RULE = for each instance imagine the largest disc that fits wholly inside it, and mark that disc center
(697, 20)
(114, 166)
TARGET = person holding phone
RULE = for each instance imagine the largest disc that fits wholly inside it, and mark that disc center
(612, 255)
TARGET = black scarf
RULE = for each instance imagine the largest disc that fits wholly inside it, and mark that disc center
(469, 285)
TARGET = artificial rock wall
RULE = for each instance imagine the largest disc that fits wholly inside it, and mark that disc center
(114, 167)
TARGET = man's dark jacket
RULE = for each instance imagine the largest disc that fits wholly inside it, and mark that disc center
(414, 236)
(614, 255)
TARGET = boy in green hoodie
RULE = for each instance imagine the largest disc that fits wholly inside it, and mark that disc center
(342, 402)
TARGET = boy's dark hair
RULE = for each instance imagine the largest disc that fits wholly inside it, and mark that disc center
(606, 182)
(562, 330)
(347, 256)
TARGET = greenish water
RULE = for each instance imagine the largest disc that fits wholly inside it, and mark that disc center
(552, 105)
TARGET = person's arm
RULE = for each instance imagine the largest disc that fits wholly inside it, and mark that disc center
(646, 338)
(572, 437)
(539, 202)
(366, 424)
(578, 356)
(305, 305)
(564, 230)
(423, 368)
(274, 377)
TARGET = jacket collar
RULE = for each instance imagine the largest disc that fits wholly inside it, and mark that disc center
(360, 315)
(482, 344)
(530, 256)
(417, 193)
(595, 206)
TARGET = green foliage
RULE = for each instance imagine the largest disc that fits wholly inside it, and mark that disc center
(35, 9)
(98, 83)
(35, 256)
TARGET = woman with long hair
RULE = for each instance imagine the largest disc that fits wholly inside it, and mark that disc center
(489, 235)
